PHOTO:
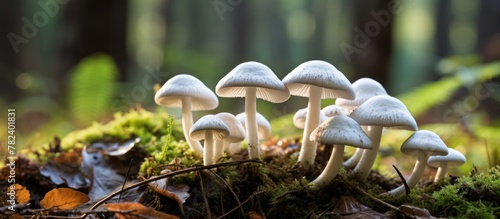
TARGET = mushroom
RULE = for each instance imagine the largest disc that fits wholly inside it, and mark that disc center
(209, 128)
(190, 94)
(236, 134)
(453, 159)
(423, 144)
(299, 118)
(252, 80)
(334, 110)
(263, 125)
(338, 131)
(378, 112)
(316, 80)
(365, 89)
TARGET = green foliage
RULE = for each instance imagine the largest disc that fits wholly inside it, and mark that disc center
(284, 127)
(423, 98)
(91, 87)
(432, 94)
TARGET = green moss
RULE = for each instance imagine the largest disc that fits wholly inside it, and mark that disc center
(141, 123)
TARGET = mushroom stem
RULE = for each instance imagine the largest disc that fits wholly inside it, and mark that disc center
(368, 158)
(441, 172)
(218, 149)
(331, 168)
(308, 148)
(415, 175)
(208, 153)
(251, 122)
(354, 159)
(187, 123)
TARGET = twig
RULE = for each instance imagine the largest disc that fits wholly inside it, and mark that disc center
(230, 189)
(375, 199)
(126, 177)
(49, 211)
(407, 188)
(241, 205)
(187, 170)
(204, 195)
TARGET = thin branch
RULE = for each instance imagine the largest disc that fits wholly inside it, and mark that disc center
(241, 205)
(204, 195)
(126, 177)
(230, 189)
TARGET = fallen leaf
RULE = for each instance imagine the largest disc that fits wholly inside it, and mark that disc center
(136, 210)
(415, 211)
(178, 193)
(65, 174)
(254, 215)
(348, 207)
(113, 149)
(63, 198)
(22, 194)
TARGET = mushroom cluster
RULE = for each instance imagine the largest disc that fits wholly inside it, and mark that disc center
(361, 111)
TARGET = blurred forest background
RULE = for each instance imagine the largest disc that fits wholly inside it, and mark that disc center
(67, 63)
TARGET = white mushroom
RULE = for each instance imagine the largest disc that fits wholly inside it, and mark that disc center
(209, 128)
(236, 134)
(190, 94)
(263, 125)
(316, 80)
(299, 118)
(338, 131)
(252, 80)
(365, 89)
(334, 110)
(423, 144)
(453, 159)
(378, 112)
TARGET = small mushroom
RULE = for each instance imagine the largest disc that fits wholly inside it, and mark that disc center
(252, 80)
(365, 89)
(190, 94)
(453, 159)
(209, 128)
(299, 118)
(338, 131)
(423, 144)
(379, 112)
(263, 125)
(236, 134)
(316, 80)
(334, 110)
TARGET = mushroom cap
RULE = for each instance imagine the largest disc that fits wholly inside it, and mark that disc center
(386, 111)
(334, 110)
(263, 126)
(253, 74)
(341, 130)
(236, 130)
(454, 158)
(365, 88)
(321, 74)
(209, 123)
(299, 118)
(424, 140)
(179, 86)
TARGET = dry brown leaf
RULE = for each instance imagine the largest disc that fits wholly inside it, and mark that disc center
(63, 198)
(254, 215)
(415, 211)
(178, 193)
(136, 209)
(22, 194)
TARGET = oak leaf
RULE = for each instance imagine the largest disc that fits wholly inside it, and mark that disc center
(22, 194)
(63, 198)
(135, 210)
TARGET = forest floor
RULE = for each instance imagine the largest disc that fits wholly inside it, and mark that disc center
(134, 167)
